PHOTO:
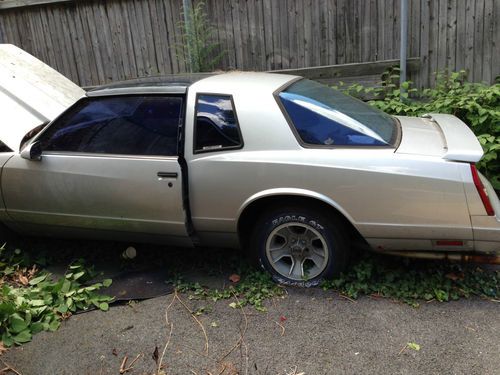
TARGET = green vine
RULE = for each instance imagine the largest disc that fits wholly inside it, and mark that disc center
(253, 289)
(411, 280)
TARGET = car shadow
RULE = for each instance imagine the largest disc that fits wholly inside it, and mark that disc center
(207, 266)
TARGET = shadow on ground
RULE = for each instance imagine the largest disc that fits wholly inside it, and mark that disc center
(108, 259)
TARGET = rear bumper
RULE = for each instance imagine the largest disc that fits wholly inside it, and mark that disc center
(486, 231)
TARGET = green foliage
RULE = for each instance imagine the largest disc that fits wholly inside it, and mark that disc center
(198, 50)
(413, 280)
(253, 289)
(478, 105)
(30, 301)
(413, 346)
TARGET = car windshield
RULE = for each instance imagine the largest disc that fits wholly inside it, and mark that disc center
(324, 116)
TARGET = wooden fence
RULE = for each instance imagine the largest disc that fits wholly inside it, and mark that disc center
(97, 41)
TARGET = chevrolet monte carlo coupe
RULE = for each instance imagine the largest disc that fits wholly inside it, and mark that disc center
(291, 170)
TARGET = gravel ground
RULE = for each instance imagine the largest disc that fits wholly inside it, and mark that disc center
(307, 331)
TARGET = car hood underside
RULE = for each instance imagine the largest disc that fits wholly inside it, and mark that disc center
(31, 93)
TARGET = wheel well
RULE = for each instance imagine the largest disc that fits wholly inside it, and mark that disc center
(252, 212)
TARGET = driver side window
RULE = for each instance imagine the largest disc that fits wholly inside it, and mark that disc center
(123, 125)
(216, 125)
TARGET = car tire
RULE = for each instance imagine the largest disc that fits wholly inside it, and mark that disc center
(300, 246)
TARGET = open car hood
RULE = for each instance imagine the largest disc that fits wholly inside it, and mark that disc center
(31, 93)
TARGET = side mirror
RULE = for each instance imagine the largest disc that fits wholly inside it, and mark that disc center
(33, 151)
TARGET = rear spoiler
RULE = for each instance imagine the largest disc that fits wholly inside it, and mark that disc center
(461, 143)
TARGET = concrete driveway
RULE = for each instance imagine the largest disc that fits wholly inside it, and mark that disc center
(305, 331)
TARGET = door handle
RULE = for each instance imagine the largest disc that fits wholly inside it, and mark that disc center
(167, 174)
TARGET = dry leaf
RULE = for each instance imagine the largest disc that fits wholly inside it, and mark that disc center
(156, 355)
(2, 348)
(454, 276)
(23, 280)
(234, 278)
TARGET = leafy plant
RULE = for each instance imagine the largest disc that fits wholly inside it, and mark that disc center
(198, 50)
(30, 301)
(413, 346)
(478, 105)
(414, 280)
(252, 289)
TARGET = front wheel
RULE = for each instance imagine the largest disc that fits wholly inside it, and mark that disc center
(300, 246)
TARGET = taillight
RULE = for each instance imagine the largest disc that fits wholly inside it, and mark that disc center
(482, 191)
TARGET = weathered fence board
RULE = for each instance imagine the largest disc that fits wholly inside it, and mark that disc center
(365, 73)
(96, 41)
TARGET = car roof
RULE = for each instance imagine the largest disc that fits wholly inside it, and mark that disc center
(168, 84)
(238, 82)
(179, 83)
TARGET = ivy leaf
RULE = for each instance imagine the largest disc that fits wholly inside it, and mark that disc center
(413, 346)
(22, 337)
(54, 325)
(77, 275)
(37, 302)
(7, 340)
(37, 280)
(36, 327)
(17, 324)
(104, 306)
(107, 282)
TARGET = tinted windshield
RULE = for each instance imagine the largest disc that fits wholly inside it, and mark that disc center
(325, 116)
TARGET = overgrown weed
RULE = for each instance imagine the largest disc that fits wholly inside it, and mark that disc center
(31, 301)
(413, 280)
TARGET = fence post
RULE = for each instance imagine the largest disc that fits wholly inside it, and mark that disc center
(404, 43)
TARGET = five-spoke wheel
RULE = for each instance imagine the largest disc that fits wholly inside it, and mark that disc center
(300, 246)
(297, 250)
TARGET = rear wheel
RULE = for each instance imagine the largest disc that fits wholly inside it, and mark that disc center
(300, 246)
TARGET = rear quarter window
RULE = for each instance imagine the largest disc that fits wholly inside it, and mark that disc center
(4, 147)
(216, 124)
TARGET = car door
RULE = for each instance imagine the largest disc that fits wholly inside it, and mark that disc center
(108, 164)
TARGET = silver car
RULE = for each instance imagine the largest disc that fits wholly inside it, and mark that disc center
(290, 170)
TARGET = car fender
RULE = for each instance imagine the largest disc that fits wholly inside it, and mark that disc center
(298, 192)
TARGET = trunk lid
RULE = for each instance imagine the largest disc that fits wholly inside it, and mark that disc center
(31, 93)
(439, 135)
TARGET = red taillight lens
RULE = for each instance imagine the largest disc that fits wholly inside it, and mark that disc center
(482, 191)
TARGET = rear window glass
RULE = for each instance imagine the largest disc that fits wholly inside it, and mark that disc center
(324, 116)
(216, 124)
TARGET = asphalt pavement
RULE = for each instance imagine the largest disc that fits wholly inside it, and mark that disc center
(306, 331)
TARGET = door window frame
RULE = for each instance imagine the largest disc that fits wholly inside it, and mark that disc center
(180, 133)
